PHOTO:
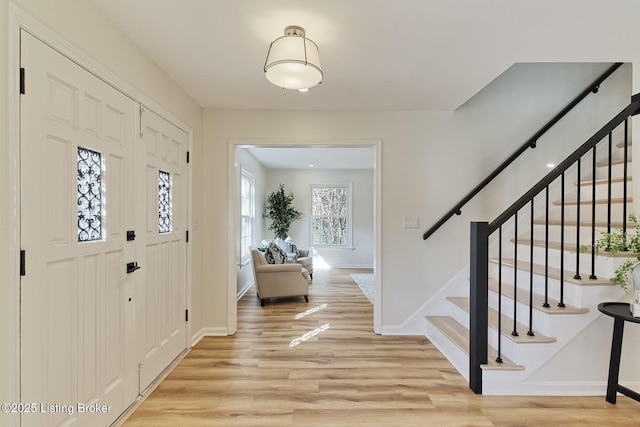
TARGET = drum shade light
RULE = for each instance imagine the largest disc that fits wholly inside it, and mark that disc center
(293, 61)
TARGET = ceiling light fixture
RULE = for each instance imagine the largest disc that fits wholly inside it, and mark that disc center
(293, 61)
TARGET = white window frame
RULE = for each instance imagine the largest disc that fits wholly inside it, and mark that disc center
(246, 238)
(349, 240)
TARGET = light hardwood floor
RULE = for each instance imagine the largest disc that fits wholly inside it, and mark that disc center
(320, 364)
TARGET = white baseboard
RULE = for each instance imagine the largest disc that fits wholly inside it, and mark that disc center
(244, 290)
(208, 332)
(351, 266)
(549, 388)
(400, 330)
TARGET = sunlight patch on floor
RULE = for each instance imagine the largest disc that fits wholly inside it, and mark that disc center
(309, 335)
(311, 311)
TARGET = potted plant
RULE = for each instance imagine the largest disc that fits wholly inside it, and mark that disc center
(622, 241)
(280, 210)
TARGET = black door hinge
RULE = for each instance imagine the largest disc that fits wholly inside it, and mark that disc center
(23, 260)
(188, 157)
(187, 236)
(22, 84)
(186, 315)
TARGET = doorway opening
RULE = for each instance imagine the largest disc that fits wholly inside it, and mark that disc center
(300, 165)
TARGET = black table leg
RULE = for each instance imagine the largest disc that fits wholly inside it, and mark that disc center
(614, 363)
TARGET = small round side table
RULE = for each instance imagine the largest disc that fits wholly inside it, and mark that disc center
(620, 313)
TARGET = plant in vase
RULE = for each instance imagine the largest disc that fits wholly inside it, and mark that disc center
(280, 210)
(621, 241)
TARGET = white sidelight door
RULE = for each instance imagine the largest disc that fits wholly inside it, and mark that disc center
(78, 307)
(162, 218)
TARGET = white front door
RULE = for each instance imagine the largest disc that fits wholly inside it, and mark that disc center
(162, 217)
(78, 332)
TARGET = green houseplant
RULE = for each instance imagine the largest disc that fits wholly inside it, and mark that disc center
(280, 210)
(621, 241)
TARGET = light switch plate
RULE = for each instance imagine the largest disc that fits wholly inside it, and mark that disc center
(410, 222)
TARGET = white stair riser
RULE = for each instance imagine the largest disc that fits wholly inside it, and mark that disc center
(602, 191)
(604, 266)
(602, 170)
(572, 292)
(459, 315)
(574, 295)
(570, 232)
(570, 217)
(617, 170)
(458, 358)
(570, 212)
(522, 314)
(508, 348)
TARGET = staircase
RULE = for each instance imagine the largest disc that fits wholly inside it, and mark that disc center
(541, 290)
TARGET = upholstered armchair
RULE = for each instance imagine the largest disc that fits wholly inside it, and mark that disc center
(306, 259)
(279, 280)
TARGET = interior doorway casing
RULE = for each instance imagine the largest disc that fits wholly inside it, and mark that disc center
(233, 209)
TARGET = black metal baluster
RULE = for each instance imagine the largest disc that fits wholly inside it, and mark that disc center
(530, 331)
(579, 173)
(546, 250)
(514, 332)
(609, 178)
(561, 303)
(499, 358)
(624, 179)
(593, 216)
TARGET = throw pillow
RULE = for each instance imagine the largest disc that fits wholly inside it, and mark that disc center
(275, 255)
(292, 248)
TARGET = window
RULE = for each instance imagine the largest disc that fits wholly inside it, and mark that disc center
(247, 203)
(164, 202)
(89, 195)
(331, 215)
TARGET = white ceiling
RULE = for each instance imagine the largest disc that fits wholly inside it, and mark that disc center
(313, 157)
(376, 54)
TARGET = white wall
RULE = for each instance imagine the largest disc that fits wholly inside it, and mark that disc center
(429, 160)
(299, 181)
(81, 24)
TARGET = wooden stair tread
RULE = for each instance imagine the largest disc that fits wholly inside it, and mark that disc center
(506, 326)
(614, 162)
(603, 181)
(459, 335)
(614, 200)
(573, 223)
(621, 144)
(554, 273)
(569, 246)
(538, 300)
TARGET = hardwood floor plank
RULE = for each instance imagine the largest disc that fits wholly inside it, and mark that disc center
(389, 417)
(320, 364)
